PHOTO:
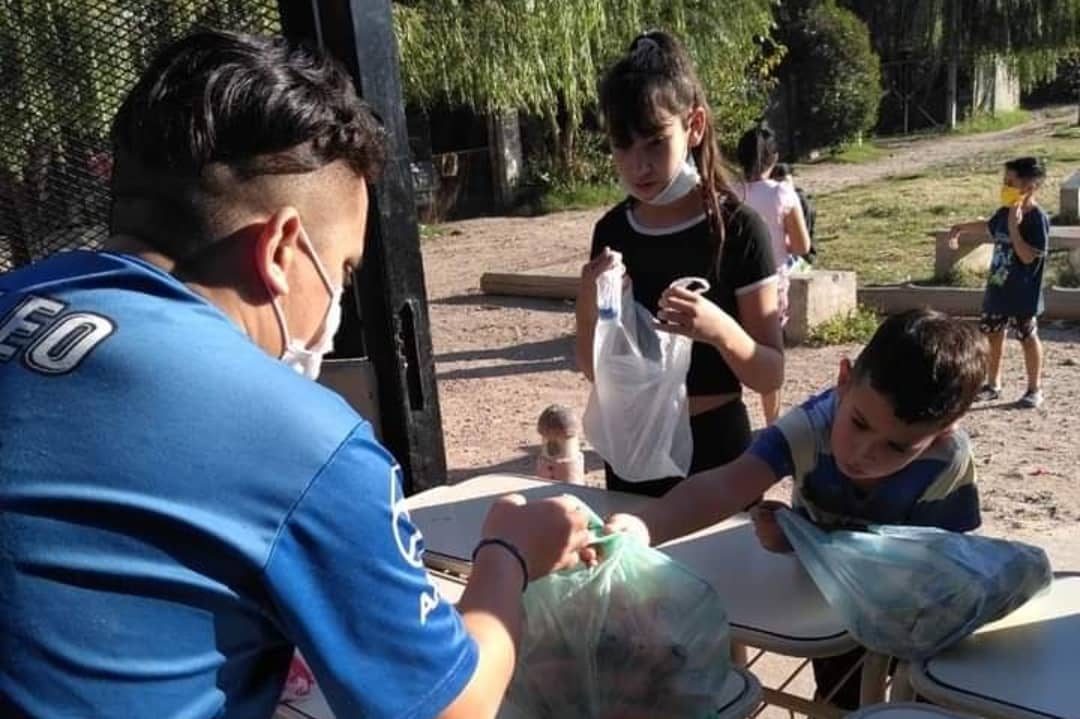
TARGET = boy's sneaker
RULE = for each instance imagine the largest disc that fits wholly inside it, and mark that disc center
(988, 393)
(1031, 399)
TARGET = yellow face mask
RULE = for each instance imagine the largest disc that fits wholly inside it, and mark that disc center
(1010, 196)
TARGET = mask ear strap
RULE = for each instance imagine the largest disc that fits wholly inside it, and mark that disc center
(280, 315)
(330, 286)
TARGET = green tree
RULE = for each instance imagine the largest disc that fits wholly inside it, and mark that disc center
(544, 56)
(66, 66)
(1033, 36)
(830, 76)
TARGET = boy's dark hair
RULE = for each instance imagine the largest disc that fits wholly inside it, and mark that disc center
(757, 149)
(657, 74)
(927, 364)
(1027, 168)
(254, 106)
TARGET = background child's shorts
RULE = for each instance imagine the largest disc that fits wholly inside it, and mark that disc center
(1022, 327)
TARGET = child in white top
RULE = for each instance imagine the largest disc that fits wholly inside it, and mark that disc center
(778, 205)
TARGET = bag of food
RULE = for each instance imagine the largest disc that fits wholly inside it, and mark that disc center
(637, 636)
(910, 592)
(637, 416)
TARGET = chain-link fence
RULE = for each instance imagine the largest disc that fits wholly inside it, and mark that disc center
(65, 66)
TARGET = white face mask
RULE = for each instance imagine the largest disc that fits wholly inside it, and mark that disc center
(308, 360)
(684, 182)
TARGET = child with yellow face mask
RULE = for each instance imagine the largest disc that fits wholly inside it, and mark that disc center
(1020, 231)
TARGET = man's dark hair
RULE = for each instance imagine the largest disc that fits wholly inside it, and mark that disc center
(1027, 168)
(257, 104)
(927, 364)
(216, 109)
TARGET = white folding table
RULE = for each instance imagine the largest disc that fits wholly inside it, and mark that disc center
(1025, 666)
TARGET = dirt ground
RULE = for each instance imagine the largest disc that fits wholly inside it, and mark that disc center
(501, 361)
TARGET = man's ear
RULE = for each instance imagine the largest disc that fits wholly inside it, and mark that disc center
(276, 249)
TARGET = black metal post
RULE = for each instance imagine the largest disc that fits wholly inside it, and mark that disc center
(389, 318)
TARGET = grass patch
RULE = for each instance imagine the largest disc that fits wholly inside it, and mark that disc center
(881, 229)
(985, 122)
(430, 232)
(578, 197)
(956, 278)
(857, 153)
(1059, 272)
(1067, 133)
(856, 327)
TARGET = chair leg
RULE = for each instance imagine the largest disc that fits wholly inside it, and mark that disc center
(902, 691)
(874, 673)
(739, 654)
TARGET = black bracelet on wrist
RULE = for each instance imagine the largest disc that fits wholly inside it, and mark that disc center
(508, 546)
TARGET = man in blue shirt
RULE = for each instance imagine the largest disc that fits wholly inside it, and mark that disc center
(1020, 231)
(180, 505)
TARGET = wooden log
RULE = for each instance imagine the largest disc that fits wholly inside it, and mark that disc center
(559, 287)
(1062, 303)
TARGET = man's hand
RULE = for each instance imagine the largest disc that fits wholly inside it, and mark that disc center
(550, 533)
(766, 527)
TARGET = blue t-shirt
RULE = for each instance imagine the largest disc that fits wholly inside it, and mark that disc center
(178, 510)
(1014, 289)
(937, 489)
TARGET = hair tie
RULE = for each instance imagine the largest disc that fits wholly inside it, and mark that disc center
(644, 44)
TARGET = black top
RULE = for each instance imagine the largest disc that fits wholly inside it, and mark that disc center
(655, 258)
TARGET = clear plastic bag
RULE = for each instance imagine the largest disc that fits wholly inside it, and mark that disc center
(636, 637)
(637, 416)
(911, 592)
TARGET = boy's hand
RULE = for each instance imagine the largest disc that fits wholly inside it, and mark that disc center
(629, 523)
(954, 237)
(766, 527)
(1016, 214)
(688, 313)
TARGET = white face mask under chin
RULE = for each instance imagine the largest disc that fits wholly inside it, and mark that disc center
(684, 182)
(308, 360)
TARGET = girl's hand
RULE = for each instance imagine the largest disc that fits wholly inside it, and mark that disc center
(689, 313)
(592, 269)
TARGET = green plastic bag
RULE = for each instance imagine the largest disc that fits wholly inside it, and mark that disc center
(638, 636)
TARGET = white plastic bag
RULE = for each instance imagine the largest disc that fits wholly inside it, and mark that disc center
(911, 592)
(637, 417)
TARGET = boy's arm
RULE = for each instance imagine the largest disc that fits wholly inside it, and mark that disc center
(706, 498)
(952, 501)
(1026, 251)
(974, 227)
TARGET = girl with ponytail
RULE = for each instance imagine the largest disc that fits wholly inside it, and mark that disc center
(778, 205)
(680, 218)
